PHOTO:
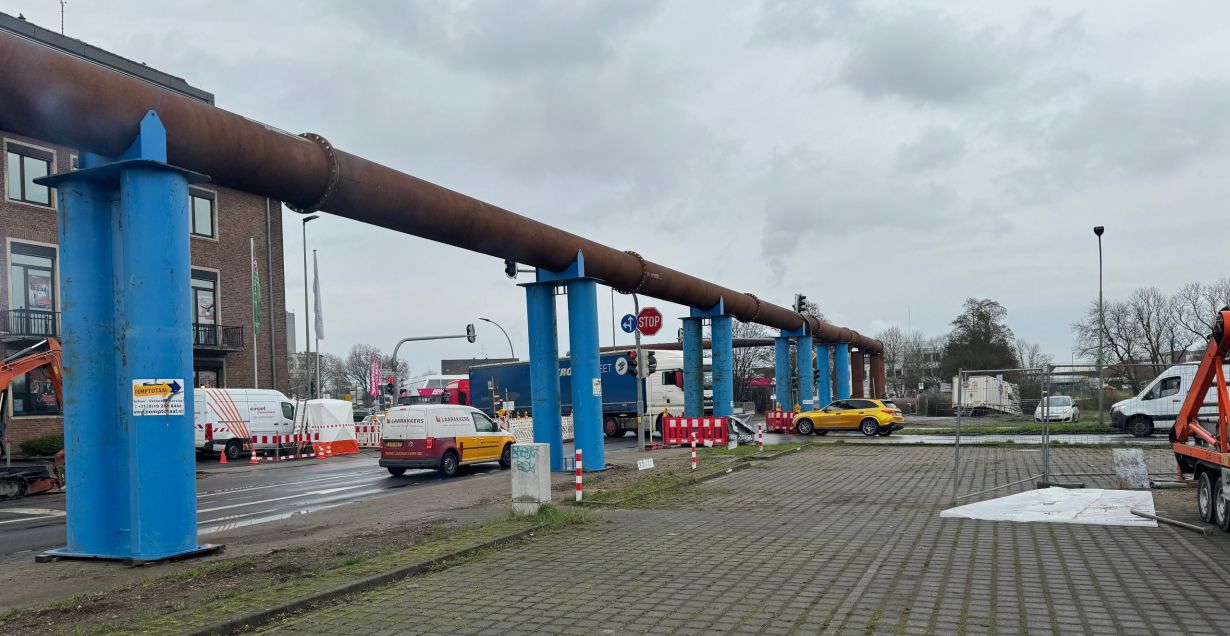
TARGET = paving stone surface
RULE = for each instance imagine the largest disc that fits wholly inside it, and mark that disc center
(834, 541)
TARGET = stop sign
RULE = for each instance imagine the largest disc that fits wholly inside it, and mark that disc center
(649, 321)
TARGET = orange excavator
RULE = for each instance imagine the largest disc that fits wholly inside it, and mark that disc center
(19, 481)
(1199, 436)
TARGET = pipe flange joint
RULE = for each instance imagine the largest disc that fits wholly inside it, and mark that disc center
(759, 304)
(335, 174)
(644, 275)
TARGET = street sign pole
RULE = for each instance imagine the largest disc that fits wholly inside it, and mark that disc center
(641, 363)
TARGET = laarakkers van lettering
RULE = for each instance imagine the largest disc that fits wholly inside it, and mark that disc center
(441, 436)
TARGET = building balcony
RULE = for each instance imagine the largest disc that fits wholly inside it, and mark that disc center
(217, 337)
(29, 324)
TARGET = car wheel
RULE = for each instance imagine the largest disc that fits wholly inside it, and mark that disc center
(1221, 509)
(1204, 497)
(805, 427)
(397, 472)
(1140, 427)
(233, 449)
(870, 427)
(448, 464)
(506, 457)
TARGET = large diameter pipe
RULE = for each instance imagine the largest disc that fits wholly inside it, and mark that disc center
(51, 95)
(878, 377)
(857, 376)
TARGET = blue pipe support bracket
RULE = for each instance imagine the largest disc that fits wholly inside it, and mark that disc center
(841, 367)
(723, 366)
(125, 274)
(824, 388)
(781, 355)
(693, 369)
(807, 391)
(586, 372)
(544, 370)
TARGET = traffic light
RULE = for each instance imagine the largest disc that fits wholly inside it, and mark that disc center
(388, 385)
(632, 364)
(510, 269)
(653, 363)
(800, 301)
(470, 335)
(816, 377)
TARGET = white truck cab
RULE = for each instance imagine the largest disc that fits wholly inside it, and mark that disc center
(1157, 406)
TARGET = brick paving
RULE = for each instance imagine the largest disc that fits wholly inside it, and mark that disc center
(835, 540)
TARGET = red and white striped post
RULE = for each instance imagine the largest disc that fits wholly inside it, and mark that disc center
(760, 437)
(693, 451)
(578, 466)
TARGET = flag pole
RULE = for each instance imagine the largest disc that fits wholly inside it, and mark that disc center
(256, 376)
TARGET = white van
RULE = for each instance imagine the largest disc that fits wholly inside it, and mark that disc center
(441, 436)
(1158, 404)
(234, 421)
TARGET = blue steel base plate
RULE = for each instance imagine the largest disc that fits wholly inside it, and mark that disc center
(64, 553)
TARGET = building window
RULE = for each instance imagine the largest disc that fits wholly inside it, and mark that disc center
(207, 377)
(32, 277)
(33, 394)
(22, 166)
(205, 307)
(204, 214)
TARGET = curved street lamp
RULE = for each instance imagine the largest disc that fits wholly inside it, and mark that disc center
(511, 353)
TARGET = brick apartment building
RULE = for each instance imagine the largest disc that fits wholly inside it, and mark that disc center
(222, 222)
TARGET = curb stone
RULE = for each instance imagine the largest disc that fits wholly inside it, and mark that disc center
(267, 615)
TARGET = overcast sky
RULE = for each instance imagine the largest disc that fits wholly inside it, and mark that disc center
(888, 160)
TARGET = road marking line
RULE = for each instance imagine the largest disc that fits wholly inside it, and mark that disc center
(227, 491)
(40, 513)
(302, 494)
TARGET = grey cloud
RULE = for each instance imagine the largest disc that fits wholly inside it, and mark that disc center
(938, 147)
(496, 36)
(804, 22)
(933, 57)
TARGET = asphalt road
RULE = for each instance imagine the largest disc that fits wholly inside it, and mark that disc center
(239, 494)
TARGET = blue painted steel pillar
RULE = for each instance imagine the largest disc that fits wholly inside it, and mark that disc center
(125, 275)
(586, 376)
(721, 360)
(693, 369)
(841, 364)
(824, 388)
(544, 370)
(807, 372)
(781, 355)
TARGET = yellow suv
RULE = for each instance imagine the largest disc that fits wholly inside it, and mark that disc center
(870, 417)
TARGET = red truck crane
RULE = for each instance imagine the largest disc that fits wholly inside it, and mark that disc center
(19, 481)
(1201, 446)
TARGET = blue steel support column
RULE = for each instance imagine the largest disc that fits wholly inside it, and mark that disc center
(693, 369)
(723, 366)
(126, 277)
(91, 432)
(781, 355)
(586, 378)
(824, 388)
(544, 370)
(807, 391)
(841, 364)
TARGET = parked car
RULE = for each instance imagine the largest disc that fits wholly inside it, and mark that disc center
(1058, 408)
(441, 436)
(870, 417)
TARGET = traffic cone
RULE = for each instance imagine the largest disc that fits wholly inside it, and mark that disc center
(329, 451)
(254, 459)
(222, 457)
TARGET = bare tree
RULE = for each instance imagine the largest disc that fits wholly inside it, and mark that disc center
(894, 340)
(1030, 354)
(355, 370)
(747, 359)
(1195, 305)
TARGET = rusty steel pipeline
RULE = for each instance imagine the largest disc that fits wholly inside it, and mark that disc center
(64, 99)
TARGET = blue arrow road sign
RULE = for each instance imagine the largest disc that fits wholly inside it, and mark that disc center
(628, 323)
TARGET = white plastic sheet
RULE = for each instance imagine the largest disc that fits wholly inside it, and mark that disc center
(1090, 506)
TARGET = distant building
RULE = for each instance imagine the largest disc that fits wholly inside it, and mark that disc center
(462, 366)
(290, 333)
(221, 221)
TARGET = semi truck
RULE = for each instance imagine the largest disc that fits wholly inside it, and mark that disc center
(506, 386)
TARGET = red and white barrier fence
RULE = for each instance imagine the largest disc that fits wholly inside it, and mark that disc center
(677, 431)
(693, 451)
(367, 432)
(779, 421)
(578, 466)
(294, 446)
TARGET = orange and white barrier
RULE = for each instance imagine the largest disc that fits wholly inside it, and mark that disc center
(332, 422)
(679, 430)
(367, 432)
(779, 421)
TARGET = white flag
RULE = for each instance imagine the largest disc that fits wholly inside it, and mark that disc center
(320, 319)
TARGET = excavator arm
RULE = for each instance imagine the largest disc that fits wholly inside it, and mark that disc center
(25, 361)
(1208, 375)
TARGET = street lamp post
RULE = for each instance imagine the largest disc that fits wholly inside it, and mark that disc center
(1101, 328)
(307, 316)
(512, 354)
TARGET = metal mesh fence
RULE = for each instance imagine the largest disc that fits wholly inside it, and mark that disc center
(1030, 411)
